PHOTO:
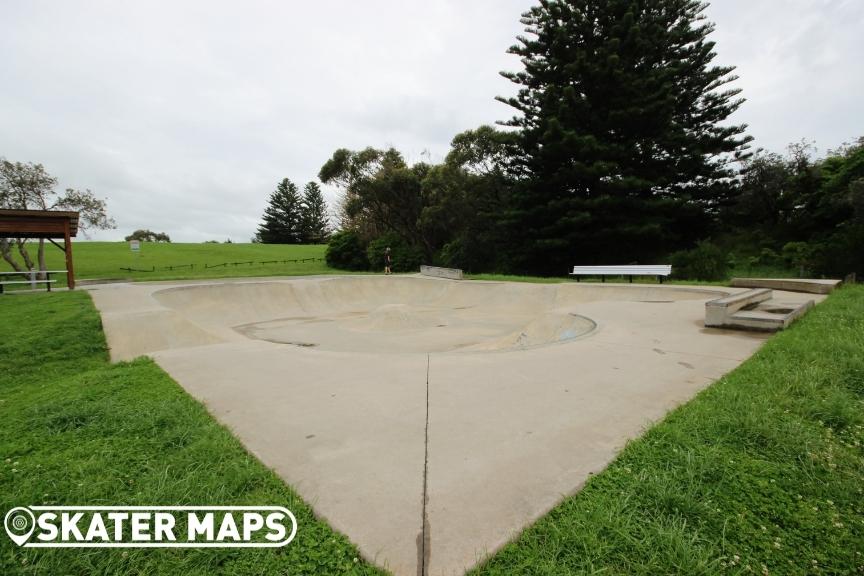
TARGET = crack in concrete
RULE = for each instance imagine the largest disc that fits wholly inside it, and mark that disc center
(424, 550)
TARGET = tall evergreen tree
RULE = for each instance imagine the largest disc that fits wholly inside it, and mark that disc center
(622, 146)
(282, 222)
(316, 223)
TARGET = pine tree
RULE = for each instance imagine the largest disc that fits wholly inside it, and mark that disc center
(316, 223)
(622, 146)
(282, 222)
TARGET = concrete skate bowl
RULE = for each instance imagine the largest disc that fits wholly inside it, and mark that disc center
(399, 315)
(429, 420)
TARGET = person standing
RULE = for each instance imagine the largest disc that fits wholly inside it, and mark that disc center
(388, 261)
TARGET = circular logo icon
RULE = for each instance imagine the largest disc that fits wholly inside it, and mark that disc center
(20, 524)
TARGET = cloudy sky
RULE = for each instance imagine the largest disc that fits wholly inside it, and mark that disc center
(186, 114)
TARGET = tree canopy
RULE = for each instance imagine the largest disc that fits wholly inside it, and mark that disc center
(28, 186)
(622, 150)
(283, 218)
(316, 222)
(622, 144)
(148, 236)
(292, 218)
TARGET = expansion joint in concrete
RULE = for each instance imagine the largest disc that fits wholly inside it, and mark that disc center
(425, 549)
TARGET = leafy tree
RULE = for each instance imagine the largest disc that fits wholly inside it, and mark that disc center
(346, 251)
(148, 236)
(810, 209)
(381, 194)
(316, 223)
(283, 218)
(466, 198)
(28, 186)
(622, 142)
(405, 258)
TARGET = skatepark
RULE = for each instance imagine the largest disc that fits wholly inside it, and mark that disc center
(429, 420)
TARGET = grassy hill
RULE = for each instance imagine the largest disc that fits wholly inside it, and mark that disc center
(174, 261)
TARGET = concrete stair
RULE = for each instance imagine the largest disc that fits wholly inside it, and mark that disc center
(753, 310)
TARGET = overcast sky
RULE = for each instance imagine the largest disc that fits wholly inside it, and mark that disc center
(186, 114)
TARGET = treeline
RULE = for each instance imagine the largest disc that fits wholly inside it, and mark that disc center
(793, 211)
(620, 151)
(146, 235)
(800, 211)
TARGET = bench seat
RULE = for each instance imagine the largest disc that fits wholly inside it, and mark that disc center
(9, 282)
(658, 270)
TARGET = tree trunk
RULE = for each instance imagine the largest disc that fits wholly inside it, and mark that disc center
(6, 251)
(22, 249)
(42, 266)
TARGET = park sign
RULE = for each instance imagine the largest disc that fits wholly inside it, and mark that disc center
(135, 245)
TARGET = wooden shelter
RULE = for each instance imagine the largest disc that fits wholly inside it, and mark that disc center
(48, 224)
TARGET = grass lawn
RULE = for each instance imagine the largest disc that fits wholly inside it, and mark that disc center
(76, 430)
(105, 260)
(762, 473)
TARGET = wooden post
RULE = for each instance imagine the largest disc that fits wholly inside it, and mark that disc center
(70, 272)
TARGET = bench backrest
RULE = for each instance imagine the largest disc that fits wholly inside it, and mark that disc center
(628, 270)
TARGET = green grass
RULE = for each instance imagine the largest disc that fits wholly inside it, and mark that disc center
(762, 473)
(105, 260)
(76, 430)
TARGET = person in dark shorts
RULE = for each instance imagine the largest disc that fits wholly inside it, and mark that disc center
(388, 261)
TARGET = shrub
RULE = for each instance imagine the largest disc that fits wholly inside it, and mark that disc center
(799, 255)
(841, 254)
(346, 251)
(405, 257)
(705, 262)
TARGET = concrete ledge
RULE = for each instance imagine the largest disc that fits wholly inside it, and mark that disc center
(718, 311)
(810, 286)
(435, 271)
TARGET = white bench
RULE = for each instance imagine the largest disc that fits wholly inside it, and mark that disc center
(33, 281)
(658, 270)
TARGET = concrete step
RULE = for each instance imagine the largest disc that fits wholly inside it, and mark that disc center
(767, 319)
(717, 311)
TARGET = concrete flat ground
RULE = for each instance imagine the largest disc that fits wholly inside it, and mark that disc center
(429, 420)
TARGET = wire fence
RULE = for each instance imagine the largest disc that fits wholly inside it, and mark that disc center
(207, 266)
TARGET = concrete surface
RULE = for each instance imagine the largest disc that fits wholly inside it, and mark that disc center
(754, 310)
(438, 272)
(809, 285)
(717, 311)
(525, 390)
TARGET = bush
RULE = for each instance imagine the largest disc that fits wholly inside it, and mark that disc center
(799, 255)
(405, 257)
(841, 253)
(346, 251)
(705, 262)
